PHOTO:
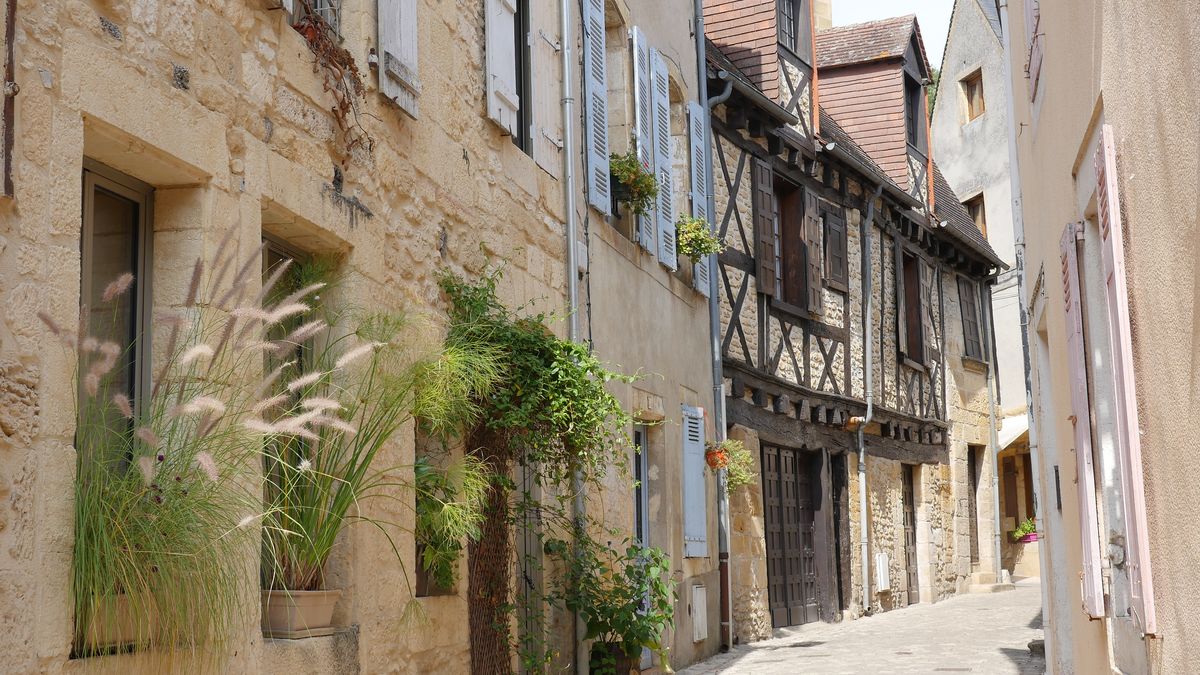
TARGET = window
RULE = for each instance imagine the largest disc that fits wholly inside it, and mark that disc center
(914, 118)
(974, 207)
(788, 231)
(913, 328)
(795, 29)
(641, 476)
(837, 272)
(315, 13)
(508, 81)
(790, 247)
(972, 88)
(115, 239)
(968, 302)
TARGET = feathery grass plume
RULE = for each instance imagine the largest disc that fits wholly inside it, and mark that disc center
(260, 426)
(283, 312)
(203, 404)
(147, 436)
(222, 261)
(117, 287)
(51, 324)
(241, 278)
(299, 294)
(91, 383)
(305, 332)
(268, 403)
(355, 354)
(89, 345)
(269, 285)
(207, 464)
(320, 403)
(147, 465)
(335, 423)
(304, 381)
(196, 352)
(193, 291)
(122, 404)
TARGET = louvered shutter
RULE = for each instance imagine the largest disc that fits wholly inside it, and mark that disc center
(764, 225)
(595, 95)
(901, 305)
(397, 28)
(695, 493)
(1128, 428)
(503, 101)
(1033, 39)
(661, 108)
(968, 304)
(643, 131)
(698, 137)
(812, 253)
(1093, 596)
(836, 264)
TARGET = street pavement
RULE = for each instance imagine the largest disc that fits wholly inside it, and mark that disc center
(985, 633)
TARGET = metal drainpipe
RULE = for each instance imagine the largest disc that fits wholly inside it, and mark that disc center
(994, 440)
(714, 330)
(868, 392)
(566, 39)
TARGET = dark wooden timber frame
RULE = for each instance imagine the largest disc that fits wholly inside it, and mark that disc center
(8, 90)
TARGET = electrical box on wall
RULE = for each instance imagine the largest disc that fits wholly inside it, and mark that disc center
(699, 613)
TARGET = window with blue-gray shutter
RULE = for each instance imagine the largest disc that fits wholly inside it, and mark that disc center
(695, 493)
(595, 95)
(661, 109)
(503, 92)
(698, 137)
(397, 34)
(643, 131)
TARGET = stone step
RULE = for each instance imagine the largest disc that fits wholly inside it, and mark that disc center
(991, 588)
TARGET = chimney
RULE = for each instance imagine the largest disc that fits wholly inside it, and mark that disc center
(822, 14)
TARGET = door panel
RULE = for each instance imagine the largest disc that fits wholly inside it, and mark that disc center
(788, 488)
(910, 534)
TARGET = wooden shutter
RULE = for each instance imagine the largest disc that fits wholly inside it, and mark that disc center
(764, 225)
(595, 106)
(901, 305)
(812, 253)
(397, 34)
(698, 137)
(1129, 446)
(1093, 596)
(923, 313)
(837, 267)
(695, 493)
(969, 308)
(661, 107)
(1033, 42)
(643, 131)
(545, 92)
(503, 100)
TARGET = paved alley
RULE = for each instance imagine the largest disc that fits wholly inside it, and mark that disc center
(970, 633)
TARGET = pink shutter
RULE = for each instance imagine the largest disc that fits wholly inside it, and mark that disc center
(1093, 596)
(1129, 446)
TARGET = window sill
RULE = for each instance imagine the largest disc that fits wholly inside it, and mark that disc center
(837, 286)
(975, 365)
(791, 310)
(913, 364)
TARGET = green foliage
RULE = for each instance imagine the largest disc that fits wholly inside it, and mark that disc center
(739, 463)
(1029, 526)
(449, 510)
(695, 239)
(640, 188)
(624, 599)
(932, 90)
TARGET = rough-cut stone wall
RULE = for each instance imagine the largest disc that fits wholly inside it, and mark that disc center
(748, 551)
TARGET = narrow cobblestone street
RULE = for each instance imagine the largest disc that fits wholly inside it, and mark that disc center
(972, 633)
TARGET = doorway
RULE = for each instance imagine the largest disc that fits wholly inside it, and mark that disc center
(910, 533)
(790, 479)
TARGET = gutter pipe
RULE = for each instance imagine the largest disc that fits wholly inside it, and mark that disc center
(865, 226)
(579, 506)
(714, 329)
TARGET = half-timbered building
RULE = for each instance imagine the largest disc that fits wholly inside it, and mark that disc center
(854, 327)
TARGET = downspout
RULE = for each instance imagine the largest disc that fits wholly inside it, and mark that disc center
(993, 439)
(714, 331)
(865, 227)
(579, 507)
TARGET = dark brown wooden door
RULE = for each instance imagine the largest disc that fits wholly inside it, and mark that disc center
(910, 534)
(788, 489)
(973, 452)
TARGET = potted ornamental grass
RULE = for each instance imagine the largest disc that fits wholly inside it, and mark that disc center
(326, 432)
(633, 184)
(164, 492)
(625, 599)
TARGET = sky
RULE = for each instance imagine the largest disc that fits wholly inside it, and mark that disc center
(932, 15)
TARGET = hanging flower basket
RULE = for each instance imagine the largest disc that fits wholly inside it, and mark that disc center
(717, 457)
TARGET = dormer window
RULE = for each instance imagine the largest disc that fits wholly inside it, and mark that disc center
(914, 117)
(795, 30)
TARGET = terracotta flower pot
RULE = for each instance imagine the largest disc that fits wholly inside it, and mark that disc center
(298, 614)
(116, 623)
(716, 459)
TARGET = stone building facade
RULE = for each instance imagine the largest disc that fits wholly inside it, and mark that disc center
(214, 116)
(812, 224)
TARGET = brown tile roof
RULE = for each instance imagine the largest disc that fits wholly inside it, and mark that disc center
(867, 42)
(947, 208)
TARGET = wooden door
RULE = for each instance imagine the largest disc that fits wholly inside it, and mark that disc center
(910, 534)
(788, 493)
(973, 452)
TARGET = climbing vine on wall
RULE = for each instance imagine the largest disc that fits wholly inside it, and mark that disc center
(342, 78)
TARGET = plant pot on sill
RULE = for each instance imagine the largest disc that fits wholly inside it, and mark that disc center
(116, 623)
(616, 652)
(298, 614)
(1029, 538)
(621, 192)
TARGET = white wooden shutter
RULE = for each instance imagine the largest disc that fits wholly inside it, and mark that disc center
(545, 126)
(397, 28)
(1129, 446)
(503, 101)
(698, 137)
(695, 494)
(1085, 488)
(595, 103)
(643, 131)
(661, 108)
